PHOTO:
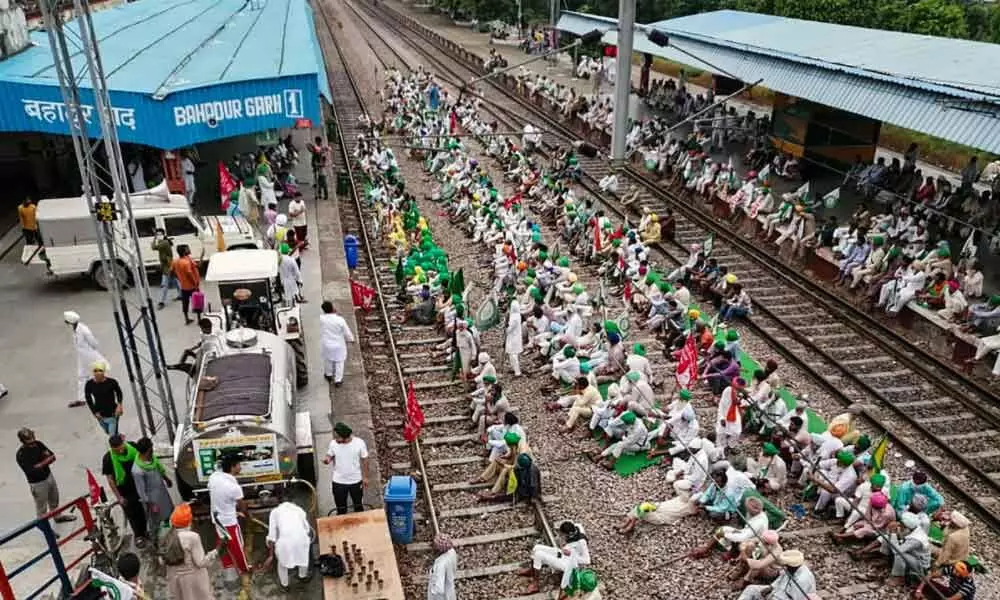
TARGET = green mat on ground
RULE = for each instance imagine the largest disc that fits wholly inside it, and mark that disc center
(630, 464)
(747, 367)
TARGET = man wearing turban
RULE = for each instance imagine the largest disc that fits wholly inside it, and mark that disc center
(187, 570)
(796, 580)
(635, 440)
(836, 477)
(769, 472)
(441, 579)
(862, 499)
(88, 353)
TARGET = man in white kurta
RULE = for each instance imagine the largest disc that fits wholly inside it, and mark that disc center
(87, 353)
(514, 344)
(729, 421)
(441, 579)
(290, 275)
(187, 173)
(288, 539)
(334, 334)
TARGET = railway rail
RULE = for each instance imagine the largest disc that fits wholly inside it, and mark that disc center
(947, 421)
(401, 353)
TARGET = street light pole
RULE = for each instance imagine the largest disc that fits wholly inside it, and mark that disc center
(623, 79)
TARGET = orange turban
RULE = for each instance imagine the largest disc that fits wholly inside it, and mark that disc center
(181, 517)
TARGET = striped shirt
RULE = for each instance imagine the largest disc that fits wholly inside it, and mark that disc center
(964, 587)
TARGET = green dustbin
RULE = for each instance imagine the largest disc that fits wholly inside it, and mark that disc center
(343, 183)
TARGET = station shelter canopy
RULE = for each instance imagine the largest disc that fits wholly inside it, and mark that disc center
(942, 87)
(179, 72)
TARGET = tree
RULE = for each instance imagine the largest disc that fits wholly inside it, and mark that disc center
(937, 17)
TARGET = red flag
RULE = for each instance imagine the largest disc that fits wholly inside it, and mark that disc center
(362, 296)
(94, 487)
(687, 364)
(414, 415)
(227, 184)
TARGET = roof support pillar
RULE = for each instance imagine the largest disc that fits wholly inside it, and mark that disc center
(623, 79)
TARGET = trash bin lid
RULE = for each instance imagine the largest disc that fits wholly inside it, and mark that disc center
(401, 487)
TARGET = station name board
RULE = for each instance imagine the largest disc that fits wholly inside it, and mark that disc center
(288, 104)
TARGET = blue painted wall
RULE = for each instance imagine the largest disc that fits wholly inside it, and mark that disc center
(181, 119)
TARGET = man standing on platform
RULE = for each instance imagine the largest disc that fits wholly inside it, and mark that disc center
(34, 458)
(288, 539)
(349, 457)
(334, 333)
(227, 505)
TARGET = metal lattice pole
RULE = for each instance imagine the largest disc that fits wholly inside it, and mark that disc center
(103, 171)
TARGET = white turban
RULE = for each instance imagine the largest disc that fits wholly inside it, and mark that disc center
(71, 317)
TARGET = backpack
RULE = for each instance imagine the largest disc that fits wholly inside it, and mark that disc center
(173, 552)
(331, 565)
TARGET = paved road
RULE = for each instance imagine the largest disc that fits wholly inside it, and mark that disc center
(39, 369)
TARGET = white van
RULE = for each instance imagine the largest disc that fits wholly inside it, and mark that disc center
(69, 236)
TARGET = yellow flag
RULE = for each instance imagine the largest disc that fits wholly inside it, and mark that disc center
(511, 483)
(220, 239)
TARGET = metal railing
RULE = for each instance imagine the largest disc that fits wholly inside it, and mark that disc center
(53, 543)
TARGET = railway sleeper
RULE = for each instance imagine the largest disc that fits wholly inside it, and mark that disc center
(438, 441)
(477, 540)
(477, 511)
(440, 462)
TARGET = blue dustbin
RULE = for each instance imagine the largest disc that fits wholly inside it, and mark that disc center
(351, 251)
(399, 495)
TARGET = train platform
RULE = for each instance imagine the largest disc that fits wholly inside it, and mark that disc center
(561, 72)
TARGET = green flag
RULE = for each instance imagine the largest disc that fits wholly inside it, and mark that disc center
(400, 277)
(488, 314)
(458, 282)
(707, 245)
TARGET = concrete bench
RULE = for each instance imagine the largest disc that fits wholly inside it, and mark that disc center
(959, 344)
(823, 263)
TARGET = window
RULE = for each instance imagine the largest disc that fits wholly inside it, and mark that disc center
(145, 227)
(180, 226)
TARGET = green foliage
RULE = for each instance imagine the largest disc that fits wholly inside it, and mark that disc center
(946, 18)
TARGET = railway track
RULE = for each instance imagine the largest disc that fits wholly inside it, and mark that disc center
(948, 422)
(500, 535)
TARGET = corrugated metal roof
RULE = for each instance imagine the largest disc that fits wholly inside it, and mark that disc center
(942, 87)
(962, 68)
(158, 47)
(918, 109)
(641, 44)
(580, 23)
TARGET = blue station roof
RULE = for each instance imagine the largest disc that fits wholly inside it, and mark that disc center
(191, 52)
(943, 87)
(960, 67)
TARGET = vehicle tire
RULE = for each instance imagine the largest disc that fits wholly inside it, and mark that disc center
(185, 491)
(118, 533)
(102, 278)
(305, 467)
(301, 364)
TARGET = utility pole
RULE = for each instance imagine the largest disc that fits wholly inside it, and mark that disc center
(553, 20)
(623, 79)
(99, 159)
